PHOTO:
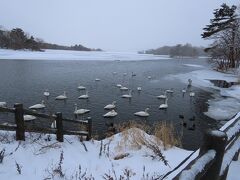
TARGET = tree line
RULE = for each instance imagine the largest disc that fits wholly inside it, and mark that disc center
(18, 39)
(179, 50)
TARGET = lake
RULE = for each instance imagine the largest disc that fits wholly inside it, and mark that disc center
(25, 81)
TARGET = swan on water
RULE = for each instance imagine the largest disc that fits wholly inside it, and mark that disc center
(139, 88)
(169, 90)
(46, 93)
(62, 97)
(163, 96)
(80, 111)
(110, 106)
(84, 96)
(165, 105)
(38, 106)
(123, 88)
(142, 113)
(29, 117)
(81, 87)
(192, 94)
(3, 104)
(111, 113)
(129, 95)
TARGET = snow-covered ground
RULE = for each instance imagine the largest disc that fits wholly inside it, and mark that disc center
(76, 55)
(226, 101)
(39, 157)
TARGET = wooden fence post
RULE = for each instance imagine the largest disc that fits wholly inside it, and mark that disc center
(216, 140)
(89, 128)
(59, 125)
(19, 120)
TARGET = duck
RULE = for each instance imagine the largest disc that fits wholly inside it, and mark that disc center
(80, 111)
(111, 113)
(84, 96)
(139, 88)
(123, 88)
(54, 124)
(165, 105)
(169, 90)
(129, 95)
(97, 79)
(29, 117)
(163, 96)
(3, 104)
(119, 85)
(142, 113)
(192, 94)
(110, 106)
(46, 93)
(62, 97)
(81, 87)
(38, 106)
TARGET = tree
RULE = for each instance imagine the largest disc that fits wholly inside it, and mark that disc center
(224, 29)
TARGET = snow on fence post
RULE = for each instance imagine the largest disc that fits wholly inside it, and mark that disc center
(59, 125)
(216, 140)
(89, 128)
(19, 120)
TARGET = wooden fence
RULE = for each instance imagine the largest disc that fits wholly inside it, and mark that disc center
(21, 128)
(218, 150)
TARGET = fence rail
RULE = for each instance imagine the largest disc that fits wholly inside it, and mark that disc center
(20, 127)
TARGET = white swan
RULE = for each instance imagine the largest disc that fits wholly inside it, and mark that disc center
(123, 88)
(110, 106)
(192, 94)
(139, 88)
(84, 96)
(80, 111)
(29, 117)
(62, 97)
(38, 106)
(169, 90)
(54, 124)
(119, 85)
(46, 93)
(111, 113)
(163, 96)
(142, 113)
(129, 95)
(97, 79)
(3, 104)
(81, 87)
(165, 105)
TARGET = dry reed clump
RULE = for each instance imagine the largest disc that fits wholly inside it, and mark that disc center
(165, 133)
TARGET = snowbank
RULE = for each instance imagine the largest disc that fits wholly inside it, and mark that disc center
(39, 156)
(76, 55)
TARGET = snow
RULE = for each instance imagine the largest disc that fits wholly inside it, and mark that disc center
(38, 157)
(194, 65)
(233, 172)
(198, 166)
(76, 55)
(227, 124)
(218, 133)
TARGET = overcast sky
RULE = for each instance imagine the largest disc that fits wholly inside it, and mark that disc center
(124, 25)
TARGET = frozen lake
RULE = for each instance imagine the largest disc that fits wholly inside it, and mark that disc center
(25, 81)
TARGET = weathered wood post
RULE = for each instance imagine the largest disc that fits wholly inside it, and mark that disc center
(216, 140)
(89, 128)
(19, 120)
(59, 125)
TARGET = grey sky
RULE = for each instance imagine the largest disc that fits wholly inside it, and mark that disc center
(124, 25)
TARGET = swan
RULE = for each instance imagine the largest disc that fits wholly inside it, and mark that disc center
(169, 90)
(139, 88)
(54, 125)
(192, 94)
(3, 104)
(111, 113)
(123, 88)
(119, 85)
(84, 96)
(46, 93)
(163, 96)
(142, 113)
(29, 117)
(110, 106)
(184, 90)
(165, 105)
(129, 95)
(38, 106)
(62, 97)
(80, 111)
(97, 79)
(81, 87)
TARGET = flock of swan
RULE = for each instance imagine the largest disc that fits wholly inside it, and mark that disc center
(110, 107)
